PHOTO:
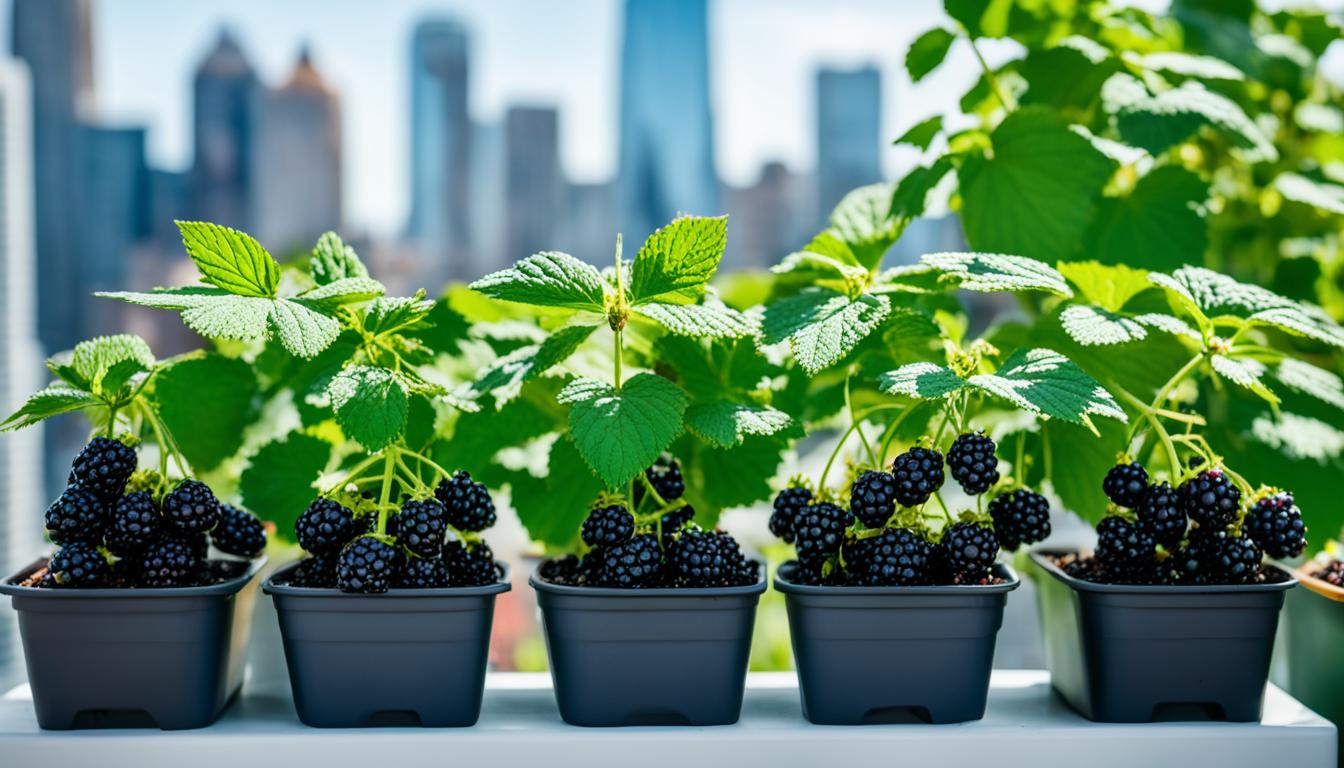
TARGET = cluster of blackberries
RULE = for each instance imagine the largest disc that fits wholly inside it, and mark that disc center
(110, 537)
(1332, 572)
(1195, 533)
(429, 543)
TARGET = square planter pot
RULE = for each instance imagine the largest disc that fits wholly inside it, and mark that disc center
(648, 656)
(1314, 618)
(405, 657)
(171, 658)
(1131, 654)
(936, 646)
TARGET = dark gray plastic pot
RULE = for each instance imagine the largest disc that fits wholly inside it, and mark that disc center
(648, 656)
(405, 657)
(108, 658)
(936, 646)
(1133, 654)
(1314, 616)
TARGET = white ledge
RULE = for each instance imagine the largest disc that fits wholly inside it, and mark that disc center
(1025, 726)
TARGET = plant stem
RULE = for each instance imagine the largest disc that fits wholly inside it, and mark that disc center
(890, 434)
(943, 506)
(990, 77)
(389, 463)
(421, 457)
(617, 354)
(858, 423)
(836, 452)
(1162, 393)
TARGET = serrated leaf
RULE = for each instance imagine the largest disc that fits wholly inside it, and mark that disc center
(346, 290)
(207, 435)
(45, 403)
(718, 479)
(923, 381)
(678, 259)
(923, 133)
(390, 314)
(1244, 372)
(862, 220)
(1172, 325)
(94, 358)
(1109, 286)
(1299, 437)
(506, 375)
(822, 326)
(230, 259)
(552, 508)
(927, 52)
(1191, 65)
(333, 260)
(699, 320)
(981, 18)
(548, 279)
(304, 331)
(1318, 194)
(911, 197)
(621, 432)
(991, 272)
(1157, 123)
(1159, 225)
(1094, 326)
(1308, 379)
(370, 405)
(726, 424)
(1067, 76)
(807, 264)
(1045, 382)
(1210, 294)
(277, 484)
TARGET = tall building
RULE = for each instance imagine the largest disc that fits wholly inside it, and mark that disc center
(53, 38)
(441, 216)
(533, 184)
(297, 162)
(770, 219)
(114, 214)
(667, 136)
(588, 228)
(488, 208)
(849, 133)
(225, 95)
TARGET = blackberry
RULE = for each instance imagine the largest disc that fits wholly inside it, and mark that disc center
(788, 507)
(367, 566)
(325, 526)
(560, 570)
(191, 507)
(1144, 571)
(1162, 515)
(973, 463)
(423, 573)
(1332, 573)
(1121, 542)
(79, 564)
(78, 515)
(1195, 562)
(701, 559)
(469, 505)
(1275, 523)
(896, 557)
(1210, 499)
(421, 526)
(317, 572)
(608, 525)
(1125, 483)
(673, 520)
(968, 551)
(169, 562)
(196, 542)
(1020, 517)
(1238, 560)
(103, 466)
(469, 566)
(918, 473)
(807, 575)
(239, 532)
(665, 477)
(872, 498)
(819, 531)
(633, 564)
(135, 523)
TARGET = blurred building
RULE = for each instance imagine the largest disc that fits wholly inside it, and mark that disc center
(849, 133)
(768, 219)
(534, 184)
(225, 97)
(114, 216)
(441, 216)
(489, 213)
(588, 228)
(297, 162)
(666, 163)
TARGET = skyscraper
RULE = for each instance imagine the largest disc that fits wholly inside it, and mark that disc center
(225, 97)
(533, 183)
(667, 137)
(849, 133)
(53, 38)
(297, 163)
(114, 213)
(440, 220)
(488, 213)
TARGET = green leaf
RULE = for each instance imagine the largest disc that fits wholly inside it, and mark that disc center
(678, 260)
(45, 403)
(1157, 123)
(1306, 378)
(922, 381)
(303, 330)
(1037, 193)
(863, 221)
(390, 314)
(911, 197)
(506, 375)
(724, 478)
(207, 435)
(347, 290)
(1109, 286)
(552, 508)
(277, 484)
(981, 18)
(1159, 225)
(621, 432)
(1191, 65)
(1094, 326)
(1046, 383)
(927, 52)
(333, 260)
(92, 359)
(230, 259)
(370, 405)
(700, 320)
(726, 424)
(923, 133)
(1300, 438)
(822, 326)
(992, 272)
(1244, 372)
(1067, 76)
(548, 279)
(1211, 294)
(1300, 189)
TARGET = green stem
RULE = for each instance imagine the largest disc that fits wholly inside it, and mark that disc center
(111, 421)
(353, 474)
(421, 457)
(990, 77)
(821, 484)
(163, 450)
(938, 497)
(858, 423)
(1172, 457)
(617, 355)
(389, 465)
(890, 434)
(1165, 391)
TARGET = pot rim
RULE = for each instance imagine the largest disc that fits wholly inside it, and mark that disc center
(660, 593)
(1316, 584)
(1003, 570)
(270, 587)
(229, 586)
(1044, 558)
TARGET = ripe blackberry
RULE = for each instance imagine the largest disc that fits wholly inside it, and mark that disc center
(705, 559)
(1332, 573)
(674, 520)
(169, 562)
(325, 526)
(1210, 499)
(560, 570)
(196, 542)
(191, 507)
(239, 532)
(1121, 542)
(317, 572)
(135, 523)
(421, 526)
(819, 531)
(469, 505)
(1238, 560)
(665, 477)
(633, 564)
(896, 557)
(806, 575)
(611, 524)
(973, 463)
(1020, 517)
(918, 473)
(469, 566)
(78, 515)
(1125, 484)
(1275, 523)
(968, 551)
(1162, 515)
(368, 566)
(872, 498)
(423, 573)
(1144, 571)
(103, 466)
(79, 564)
(789, 506)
